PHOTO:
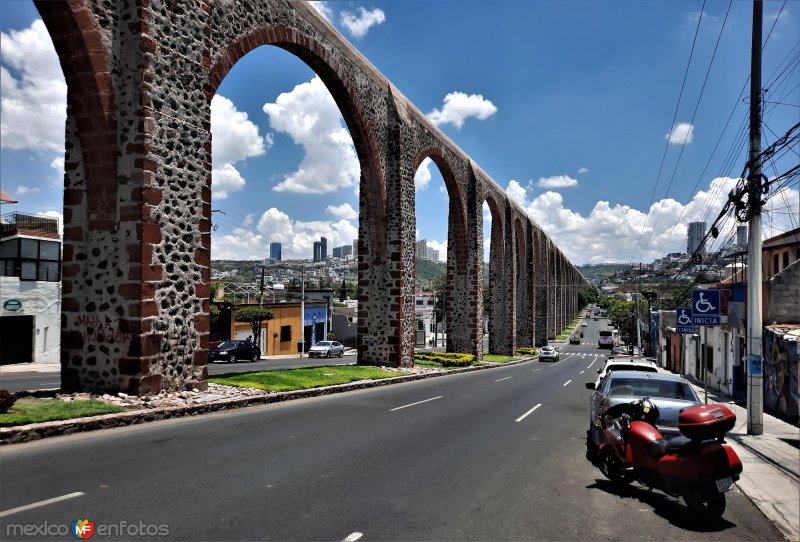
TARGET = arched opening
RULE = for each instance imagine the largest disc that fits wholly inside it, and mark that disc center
(494, 298)
(335, 193)
(441, 273)
(523, 284)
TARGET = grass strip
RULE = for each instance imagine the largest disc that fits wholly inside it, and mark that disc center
(31, 410)
(301, 379)
(497, 358)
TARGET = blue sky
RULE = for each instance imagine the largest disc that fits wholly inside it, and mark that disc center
(568, 105)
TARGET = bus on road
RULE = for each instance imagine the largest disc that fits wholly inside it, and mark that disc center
(609, 338)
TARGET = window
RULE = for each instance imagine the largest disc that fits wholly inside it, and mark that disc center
(31, 259)
(430, 302)
(419, 302)
(29, 248)
(774, 264)
(286, 333)
(785, 259)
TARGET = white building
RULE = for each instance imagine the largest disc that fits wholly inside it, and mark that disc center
(30, 289)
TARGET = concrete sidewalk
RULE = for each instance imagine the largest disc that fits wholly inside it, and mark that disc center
(771, 461)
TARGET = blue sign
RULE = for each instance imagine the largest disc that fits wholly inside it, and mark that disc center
(754, 361)
(706, 307)
(683, 320)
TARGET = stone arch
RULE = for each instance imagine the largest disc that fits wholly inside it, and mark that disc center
(523, 264)
(90, 100)
(498, 280)
(338, 84)
(457, 289)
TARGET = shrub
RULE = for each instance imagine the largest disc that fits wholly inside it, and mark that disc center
(526, 351)
(447, 359)
(7, 400)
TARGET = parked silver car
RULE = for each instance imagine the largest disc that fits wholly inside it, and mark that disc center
(670, 393)
(624, 364)
(326, 349)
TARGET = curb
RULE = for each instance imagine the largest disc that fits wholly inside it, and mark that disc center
(37, 431)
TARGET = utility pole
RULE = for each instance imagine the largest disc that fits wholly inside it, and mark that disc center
(262, 284)
(755, 378)
(302, 309)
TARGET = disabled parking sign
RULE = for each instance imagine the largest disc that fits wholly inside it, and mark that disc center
(705, 307)
(683, 320)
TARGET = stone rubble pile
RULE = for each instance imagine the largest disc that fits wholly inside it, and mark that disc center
(216, 392)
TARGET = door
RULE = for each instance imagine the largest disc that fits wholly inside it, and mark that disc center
(16, 339)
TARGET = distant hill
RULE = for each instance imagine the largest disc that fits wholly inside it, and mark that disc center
(596, 273)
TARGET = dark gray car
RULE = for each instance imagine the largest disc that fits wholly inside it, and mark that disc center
(670, 393)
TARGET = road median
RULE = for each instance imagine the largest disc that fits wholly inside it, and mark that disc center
(36, 431)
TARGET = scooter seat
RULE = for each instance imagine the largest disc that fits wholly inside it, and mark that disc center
(657, 448)
(678, 444)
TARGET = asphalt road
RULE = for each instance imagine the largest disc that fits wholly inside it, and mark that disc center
(487, 455)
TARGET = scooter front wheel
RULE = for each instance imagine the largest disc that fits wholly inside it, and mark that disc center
(706, 502)
(612, 470)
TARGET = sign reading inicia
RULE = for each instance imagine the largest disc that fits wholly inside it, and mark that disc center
(683, 320)
(12, 305)
(705, 307)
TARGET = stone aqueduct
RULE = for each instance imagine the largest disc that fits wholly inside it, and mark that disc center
(137, 195)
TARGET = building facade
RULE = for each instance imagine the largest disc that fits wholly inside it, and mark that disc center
(30, 292)
(275, 251)
(694, 241)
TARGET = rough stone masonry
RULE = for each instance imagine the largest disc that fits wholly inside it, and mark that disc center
(137, 196)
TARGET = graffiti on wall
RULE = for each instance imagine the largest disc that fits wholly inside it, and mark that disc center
(781, 373)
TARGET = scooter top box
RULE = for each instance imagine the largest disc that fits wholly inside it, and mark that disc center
(706, 421)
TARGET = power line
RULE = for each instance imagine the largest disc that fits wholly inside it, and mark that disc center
(672, 127)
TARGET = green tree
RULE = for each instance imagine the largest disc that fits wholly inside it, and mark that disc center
(343, 291)
(255, 315)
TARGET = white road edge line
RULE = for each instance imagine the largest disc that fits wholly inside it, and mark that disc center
(352, 537)
(567, 382)
(529, 412)
(417, 403)
(592, 363)
(499, 379)
(40, 503)
(583, 372)
(539, 369)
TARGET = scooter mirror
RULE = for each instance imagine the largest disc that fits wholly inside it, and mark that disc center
(590, 385)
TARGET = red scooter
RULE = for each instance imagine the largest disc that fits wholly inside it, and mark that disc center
(697, 466)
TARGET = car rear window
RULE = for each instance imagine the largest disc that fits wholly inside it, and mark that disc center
(667, 389)
(631, 367)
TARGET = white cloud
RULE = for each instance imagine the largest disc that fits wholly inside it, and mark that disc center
(682, 133)
(516, 192)
(359, 25)
(583, 169)
(274, 225)
(458, 107)
(224, 180)
(611, 232)
(311, 118)
(558, 181)
(235, 137)
(422, 177)
(323, 8)
(33, 109)
(22, 190)
(345, 210)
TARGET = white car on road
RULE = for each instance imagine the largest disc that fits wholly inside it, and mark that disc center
(548, 353)
(326, 349)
